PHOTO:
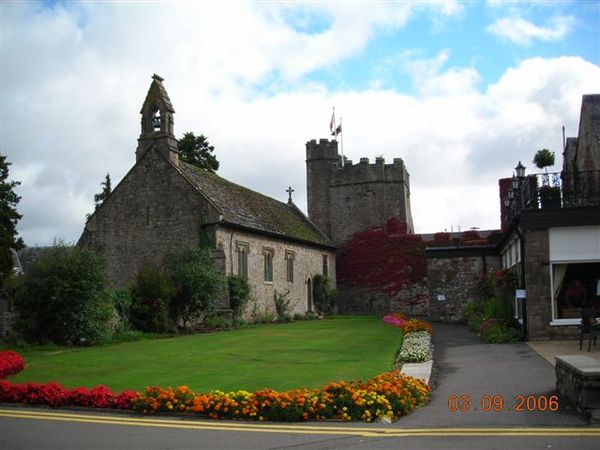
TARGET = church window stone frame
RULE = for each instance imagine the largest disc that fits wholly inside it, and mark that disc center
(268, 254)
(289, 264)
(242, 249)
(325, 265)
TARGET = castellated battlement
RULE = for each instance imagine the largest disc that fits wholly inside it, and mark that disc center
(326, 151)
(365, 171)
(346, 198)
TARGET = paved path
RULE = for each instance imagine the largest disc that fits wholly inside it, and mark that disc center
(467, 366)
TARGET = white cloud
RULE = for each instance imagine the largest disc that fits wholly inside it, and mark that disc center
(74, 79)
(523, 32)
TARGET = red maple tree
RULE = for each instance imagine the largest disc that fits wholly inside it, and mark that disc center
(384, 259)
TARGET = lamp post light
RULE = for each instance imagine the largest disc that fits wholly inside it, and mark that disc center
(520, 169)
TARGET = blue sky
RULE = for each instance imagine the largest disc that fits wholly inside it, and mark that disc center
(460, 90)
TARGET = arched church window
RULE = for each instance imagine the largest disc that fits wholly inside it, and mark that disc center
(242, 253)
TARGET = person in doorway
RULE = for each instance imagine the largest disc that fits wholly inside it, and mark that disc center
(576, 295)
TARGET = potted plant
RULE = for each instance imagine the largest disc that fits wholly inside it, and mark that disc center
(549, 195)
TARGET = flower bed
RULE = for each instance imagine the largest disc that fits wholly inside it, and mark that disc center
(407, 325)
(389, 395)
(10, 363)
(416, 348)
(416, 345)
(55, 395)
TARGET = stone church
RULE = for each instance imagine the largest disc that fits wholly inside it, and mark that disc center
(163, 204)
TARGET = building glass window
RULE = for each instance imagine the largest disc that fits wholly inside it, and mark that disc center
(268, 265)
(574, 286)
(242, 250)
(325, 265)
(289, 263)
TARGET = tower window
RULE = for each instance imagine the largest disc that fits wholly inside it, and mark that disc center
(325, 265)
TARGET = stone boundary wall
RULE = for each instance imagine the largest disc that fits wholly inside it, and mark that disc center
(578, 379)
(452, 274)
(411, 301)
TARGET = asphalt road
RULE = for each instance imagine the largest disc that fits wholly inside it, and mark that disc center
(466, 368)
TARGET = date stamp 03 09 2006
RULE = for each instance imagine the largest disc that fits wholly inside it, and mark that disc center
(495, 403)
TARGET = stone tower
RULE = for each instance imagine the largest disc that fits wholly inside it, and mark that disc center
(345, 199)
(157, 122)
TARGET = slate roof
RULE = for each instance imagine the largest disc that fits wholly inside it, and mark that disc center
(245, 208)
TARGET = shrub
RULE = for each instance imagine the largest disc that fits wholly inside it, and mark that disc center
(282, 305)
(239, 294)
(492, 319)
(122, 302)
(216, 322)
(473, 314)
(197, 285)
(310, 315)
(323, 294)
(150, 299)
(10, 363)
(501, 333)
(63, 298)
(498, 308)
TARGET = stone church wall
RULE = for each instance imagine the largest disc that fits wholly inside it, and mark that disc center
(151, 213)
(308, 261)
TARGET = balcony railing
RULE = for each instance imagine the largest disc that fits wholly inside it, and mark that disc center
(556, 190)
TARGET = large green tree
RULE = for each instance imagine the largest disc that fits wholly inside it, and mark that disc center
(8, 220)
(196, 150)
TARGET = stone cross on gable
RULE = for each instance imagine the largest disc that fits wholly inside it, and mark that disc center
(289, 190)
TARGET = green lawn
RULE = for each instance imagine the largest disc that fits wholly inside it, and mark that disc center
(281, 357)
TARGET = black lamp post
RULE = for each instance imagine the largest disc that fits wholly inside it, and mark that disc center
(520, 169)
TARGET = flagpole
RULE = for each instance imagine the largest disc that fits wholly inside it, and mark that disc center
(342, 141)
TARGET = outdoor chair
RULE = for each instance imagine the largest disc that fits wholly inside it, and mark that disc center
(588, 326)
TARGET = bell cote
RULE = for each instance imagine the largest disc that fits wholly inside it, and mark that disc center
(157, 122)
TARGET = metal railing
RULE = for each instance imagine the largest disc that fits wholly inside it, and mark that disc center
(556, 190)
